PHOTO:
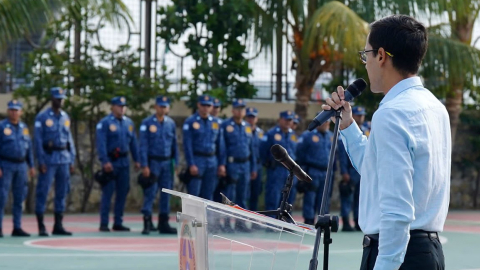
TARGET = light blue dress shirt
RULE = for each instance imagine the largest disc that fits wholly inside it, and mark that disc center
(404, 167)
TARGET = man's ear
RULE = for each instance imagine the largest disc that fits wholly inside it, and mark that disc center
(382, 56)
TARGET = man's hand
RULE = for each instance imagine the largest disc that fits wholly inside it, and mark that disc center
(72, 169)
(43, 169)
(222, 172)
(253, 175)
(146, 172)
(346, 177)
(31, 172)
(137, 166)
(337, 101)
(108, 167)
(193, 170)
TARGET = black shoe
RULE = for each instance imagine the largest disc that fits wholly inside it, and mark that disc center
(240, 226)
(58, 226)
(357, 227)
(152, 227)
(20, 232)
(309, 221)
(42, 231)
(120, 228)
(146, 224)
(164, 226)
(104, 228)
(1, 233)
(346, 225)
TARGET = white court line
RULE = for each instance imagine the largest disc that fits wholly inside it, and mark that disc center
(89, 255)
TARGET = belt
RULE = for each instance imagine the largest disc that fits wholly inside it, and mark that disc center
(316, 166)
(159, 158)
(238, 160)
(201, 154)
(118, 155)
(369, 239)
(12, 159)
(54, 148)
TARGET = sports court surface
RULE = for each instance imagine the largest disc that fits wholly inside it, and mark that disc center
(89, 249)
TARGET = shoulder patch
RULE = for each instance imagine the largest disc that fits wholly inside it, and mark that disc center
(278, 137)
(143, 128)
(99, 126)
(185, 127)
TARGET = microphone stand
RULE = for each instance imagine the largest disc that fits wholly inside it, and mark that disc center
(283, 212)
(325, 222)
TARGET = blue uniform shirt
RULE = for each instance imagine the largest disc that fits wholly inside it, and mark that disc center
(116, 135)
(276, 136)
(15, 142)
(257, 138)
(157, 139)
(239, 142)
(405, 168)
(53, 131)
(203, 136)
(313, 149)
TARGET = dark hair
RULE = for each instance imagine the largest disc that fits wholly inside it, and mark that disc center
(402, 36)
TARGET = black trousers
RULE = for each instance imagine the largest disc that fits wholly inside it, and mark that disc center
(423, 253)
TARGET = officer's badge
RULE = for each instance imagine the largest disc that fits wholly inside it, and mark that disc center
(277, 137)
(240, 101)
(26, 132)
(248, 130)
(315, 138)
(229, 128)
(331, 139)
(216, 100)
(289, 112)
(7, 131)
(293, 138)
(60, 91)
(260, 135)
(14, 101)
(130, 128)
(196, 125)
(251, 109)
(67, 123)
(214, 125)
(152, 128)
(207, 98)
(49, 122)
(113, 128)
(164, 98)
(122, 99)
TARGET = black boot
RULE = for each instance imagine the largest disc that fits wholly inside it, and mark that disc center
(104, 228)
(357, 227)
(20, 232)
(346, 225)
(164, 226)
(1, 233)
(58, 226)
(152, 227)
(120, 228)
(146, 224)
(41, 226)
(309, 221)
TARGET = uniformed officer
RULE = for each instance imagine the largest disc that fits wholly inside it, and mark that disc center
(256, 185)
(217, 108)
(283, 135)
(55, 151)
(115, 138)
(204, 149)
(158, 147)
(313, 150)
(351, 178)
(16, 153)
(296, 122)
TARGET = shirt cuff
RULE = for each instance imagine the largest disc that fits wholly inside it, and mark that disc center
(382, 264)
(351, 134)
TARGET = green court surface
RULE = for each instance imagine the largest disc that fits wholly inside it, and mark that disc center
(89, 249)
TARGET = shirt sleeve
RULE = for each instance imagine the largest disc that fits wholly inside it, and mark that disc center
(134, 144)
(30, 161)
(101, 139)
(174, 146)
(253, 158)
(143, 143)
(395, 153)
(73, 151)
(188, 144)
(38, 141)
(354, 142)
(221, 151)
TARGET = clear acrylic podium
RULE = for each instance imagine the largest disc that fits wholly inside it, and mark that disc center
(203, 245)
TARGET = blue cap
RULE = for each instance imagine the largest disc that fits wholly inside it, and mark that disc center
(217, 103)
(296, 119)
(119, 101)
(238, 103)
(163, 101)
(205, 100)
(287, 115)
(358, 110)
(14, 105)
(57, 92)
(252, 111)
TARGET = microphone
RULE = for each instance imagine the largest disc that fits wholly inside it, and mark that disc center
(280, 154)
(353, 90)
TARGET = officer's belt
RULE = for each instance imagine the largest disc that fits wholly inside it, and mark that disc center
(159, 158)
(238, 160)
(12, 159)
(201, 154)
(316, 166)
(115, 155)
(47, 147)
(369, 239)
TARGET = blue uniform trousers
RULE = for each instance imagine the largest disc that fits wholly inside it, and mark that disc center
(312, 200)
(349, 203)
(256, 188)
(237, 193)
(204, 184)
(163, 171)
(276, 178)
(61, 173)
(121, 186)
(14, 175)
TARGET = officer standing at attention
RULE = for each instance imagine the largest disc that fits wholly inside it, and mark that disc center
(313, 150)
(256, 185)
(350, 176)
(16, 154)
(283, 135)
(55, 151)
(204, 149)
(115, 138)
(217, 108)
(158, 147)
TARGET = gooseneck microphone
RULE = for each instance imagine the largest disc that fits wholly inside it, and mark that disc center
(280, 154)
(353, 90)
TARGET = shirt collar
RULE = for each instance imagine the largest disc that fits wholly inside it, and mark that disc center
(400, 87)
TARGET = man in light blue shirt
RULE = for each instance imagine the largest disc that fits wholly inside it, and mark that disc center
(405, 163)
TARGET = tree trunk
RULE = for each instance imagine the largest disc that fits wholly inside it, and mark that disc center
(304, 91)
(454, 107)
(77, 53)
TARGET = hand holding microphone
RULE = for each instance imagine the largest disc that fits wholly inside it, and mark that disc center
(336, 102)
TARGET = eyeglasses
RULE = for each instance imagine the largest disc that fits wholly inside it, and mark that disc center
(363, 55)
